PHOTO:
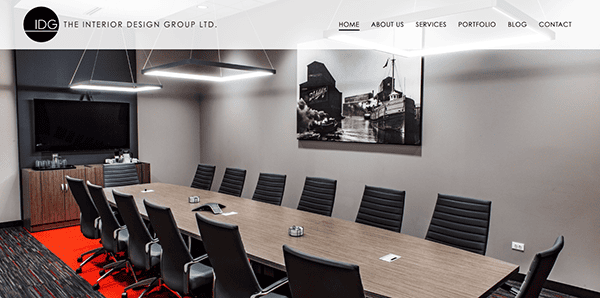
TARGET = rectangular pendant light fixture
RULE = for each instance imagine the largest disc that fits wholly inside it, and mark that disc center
(113, 86)
(188, 69)
(473, 25)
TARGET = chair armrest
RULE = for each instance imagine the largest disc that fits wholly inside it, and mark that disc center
(116, 232)
(149, 244)
(97, 227)
(186, 271)
(271, 288)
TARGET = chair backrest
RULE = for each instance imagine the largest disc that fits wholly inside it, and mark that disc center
(175, 252)
(87, 208)
(461, 222)
(540, 269)
(120, 175)
(233, 181)
(269, 188)
(318, 195)
(311, 276)
(234, 275)
(204, 177)
(382, 207)
(138, 232)
(109, 221)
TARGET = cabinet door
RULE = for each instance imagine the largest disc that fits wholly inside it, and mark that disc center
(53, 196)
(143, 170)
(95, 174)
(71, 207)
(32, 198)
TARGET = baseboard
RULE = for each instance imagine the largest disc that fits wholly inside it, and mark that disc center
(10, 224)
(563, 288)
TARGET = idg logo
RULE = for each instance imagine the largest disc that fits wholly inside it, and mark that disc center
(41, 24)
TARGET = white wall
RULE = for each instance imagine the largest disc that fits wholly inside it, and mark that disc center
(519, 128)
(10, 193)
(168, 125)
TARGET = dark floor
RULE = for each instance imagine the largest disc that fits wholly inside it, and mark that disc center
(29, 269)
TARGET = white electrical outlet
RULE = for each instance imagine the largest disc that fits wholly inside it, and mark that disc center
(518, 246)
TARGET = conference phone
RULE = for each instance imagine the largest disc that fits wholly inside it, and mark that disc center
(214, 207)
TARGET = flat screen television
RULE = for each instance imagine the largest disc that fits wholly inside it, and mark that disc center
(66, 125)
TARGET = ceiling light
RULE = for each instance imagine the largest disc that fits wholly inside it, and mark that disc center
(202, 6)
(188, 69)
(490, 29)
(99, 85)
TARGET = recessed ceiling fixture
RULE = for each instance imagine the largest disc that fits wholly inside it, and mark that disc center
(186, 69)
(480, 24)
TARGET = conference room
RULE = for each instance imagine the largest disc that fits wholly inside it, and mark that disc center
(513, 129)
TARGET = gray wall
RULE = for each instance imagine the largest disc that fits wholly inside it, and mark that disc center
(519, 128)
(10, 203)
(169, 129)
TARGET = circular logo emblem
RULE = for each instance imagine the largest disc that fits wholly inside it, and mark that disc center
(41, 24)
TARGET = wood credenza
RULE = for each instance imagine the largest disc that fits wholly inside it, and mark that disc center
(47, 200)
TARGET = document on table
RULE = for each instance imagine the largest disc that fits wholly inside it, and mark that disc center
(390, 258)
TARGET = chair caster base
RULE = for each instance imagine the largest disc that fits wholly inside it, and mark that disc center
(78, 270)
(79, 260)
(96, 287)
(124, 295)
(102, 272)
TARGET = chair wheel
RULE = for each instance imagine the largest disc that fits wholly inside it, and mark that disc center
(78, 270)
(124, 295)
(102, 272)
(96, 287)
(79, 259)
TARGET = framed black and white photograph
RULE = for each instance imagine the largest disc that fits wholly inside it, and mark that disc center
(359, 96)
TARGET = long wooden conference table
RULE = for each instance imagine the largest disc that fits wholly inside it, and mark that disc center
(424, 269)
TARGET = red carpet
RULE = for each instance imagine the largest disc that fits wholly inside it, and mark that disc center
(69, 243)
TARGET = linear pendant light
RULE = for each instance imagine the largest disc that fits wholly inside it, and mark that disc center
(101, 85)
(413, 41)
(110, 86)
(184, 69)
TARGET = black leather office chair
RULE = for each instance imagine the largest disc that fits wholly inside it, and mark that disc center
(143, 251)
(89, 219)
(461, 222)
(204, 176)
(311, 276)
(269, 188)
(318, 195)
(179, 271)
(114, 237)
(382, 207)
(234, 276)
(233, 182)
(540, 268)
(120, 175)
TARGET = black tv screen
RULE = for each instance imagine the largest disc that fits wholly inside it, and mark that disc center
(65, 125)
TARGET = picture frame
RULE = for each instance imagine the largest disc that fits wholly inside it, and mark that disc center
(359, 96)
